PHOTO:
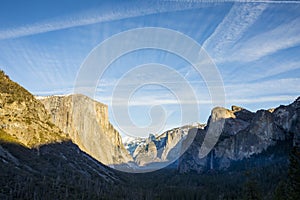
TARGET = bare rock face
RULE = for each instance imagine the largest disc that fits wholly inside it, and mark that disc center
(86, 122)
(146, 155)
(166, 147)
(23, 119)
(261, 133)
(244, 134)
(242, 113)
(288, 118)
(232, 122)
(190, 160)
(285, 116)
(221, 113)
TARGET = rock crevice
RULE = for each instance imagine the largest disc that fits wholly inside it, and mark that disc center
(87, 124)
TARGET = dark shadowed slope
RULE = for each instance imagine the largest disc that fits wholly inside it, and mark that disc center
(39, 161)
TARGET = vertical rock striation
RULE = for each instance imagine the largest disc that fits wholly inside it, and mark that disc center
(86, 121)
(243, 135)
(166, 147)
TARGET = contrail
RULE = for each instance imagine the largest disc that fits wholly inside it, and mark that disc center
(97, 16)
(235, 1)
(233, 26)
(130, 11)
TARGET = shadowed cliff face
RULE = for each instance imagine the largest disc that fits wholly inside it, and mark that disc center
(86, 122)
(37, 157)
(288, 119)
(38, 161)
(244, 134)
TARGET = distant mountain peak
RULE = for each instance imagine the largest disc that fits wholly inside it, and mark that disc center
(160, 147)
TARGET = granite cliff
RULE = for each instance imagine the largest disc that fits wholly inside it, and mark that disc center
(23, 119)
(244, 134)
(37, 159)
(166, 147)
(87, 124)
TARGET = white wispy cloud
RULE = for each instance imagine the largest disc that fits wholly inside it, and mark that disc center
(268, 99)
(259, 92)
(36, 63)
(281, 37)
(263, 91)
(238, 1)
(227, 42)
(283, 64)
(65, 91)
(231, 29)
(278, 68)
(117, 12)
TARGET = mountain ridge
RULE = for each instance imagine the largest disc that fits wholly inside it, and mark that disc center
(159, 147)
(42, 166)
(243, 135)
(38, 160)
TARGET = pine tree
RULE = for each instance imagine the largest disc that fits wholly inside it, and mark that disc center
(281, 191)
(251, 191)
(294, 175)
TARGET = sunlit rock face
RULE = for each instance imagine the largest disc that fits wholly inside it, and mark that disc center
(146, 154)
(244, 134)
(86, 121)
(23, 119)
(233, 123)
(166, 147)
(34, 150)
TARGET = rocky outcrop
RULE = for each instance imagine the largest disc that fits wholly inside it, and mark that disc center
(37, 159)
(23, 119)
(288, 118)
(145, 154)
(87, 124)
(235, 119)
(164, 148)
(243, 135)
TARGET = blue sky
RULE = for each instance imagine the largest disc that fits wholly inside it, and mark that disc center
(255, 46)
